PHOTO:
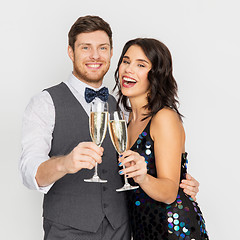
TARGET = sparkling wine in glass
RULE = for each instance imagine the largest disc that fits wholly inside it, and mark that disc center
(118, 132)
(98, 127)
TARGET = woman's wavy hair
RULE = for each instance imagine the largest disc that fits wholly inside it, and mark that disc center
(163, 87)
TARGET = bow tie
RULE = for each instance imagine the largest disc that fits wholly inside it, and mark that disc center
(91, 94)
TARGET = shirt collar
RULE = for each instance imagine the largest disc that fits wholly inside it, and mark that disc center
(80, 86)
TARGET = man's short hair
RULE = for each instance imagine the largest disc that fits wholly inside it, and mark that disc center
(88, 24)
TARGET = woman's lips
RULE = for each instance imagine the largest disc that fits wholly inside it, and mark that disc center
(128, 82)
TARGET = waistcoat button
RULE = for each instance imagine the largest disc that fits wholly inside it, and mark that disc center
(105, 205)
(104, 171)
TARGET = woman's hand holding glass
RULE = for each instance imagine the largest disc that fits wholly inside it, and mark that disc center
(118, 132)
(135, 166)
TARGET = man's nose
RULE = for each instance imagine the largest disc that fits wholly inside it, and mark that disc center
(95, 54)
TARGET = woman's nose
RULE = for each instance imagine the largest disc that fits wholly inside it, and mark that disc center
(129, 69)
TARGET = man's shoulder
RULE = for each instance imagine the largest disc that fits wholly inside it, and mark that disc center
(57, 86)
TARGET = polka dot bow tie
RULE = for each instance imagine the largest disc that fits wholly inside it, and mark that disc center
(90, 94)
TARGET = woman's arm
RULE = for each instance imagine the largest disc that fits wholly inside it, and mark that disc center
(168, 135)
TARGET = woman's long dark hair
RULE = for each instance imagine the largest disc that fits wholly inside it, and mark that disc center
(163, 87)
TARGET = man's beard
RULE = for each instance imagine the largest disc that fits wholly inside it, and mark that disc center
(86, 79)
(89, 79)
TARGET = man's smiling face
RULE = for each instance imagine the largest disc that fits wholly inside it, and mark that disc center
(91, 57)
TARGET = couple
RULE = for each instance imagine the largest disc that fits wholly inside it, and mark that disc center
(57, 153)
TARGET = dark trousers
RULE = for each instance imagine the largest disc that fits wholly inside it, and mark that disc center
(55, 231)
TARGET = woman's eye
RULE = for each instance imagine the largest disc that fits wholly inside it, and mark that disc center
(141, 65)
(125, 61)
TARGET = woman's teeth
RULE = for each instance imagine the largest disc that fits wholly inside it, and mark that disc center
(129, 80)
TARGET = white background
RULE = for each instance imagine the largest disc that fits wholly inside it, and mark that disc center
(203, 37)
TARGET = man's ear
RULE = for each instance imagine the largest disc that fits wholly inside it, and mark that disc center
(111, 52)
(71, 53)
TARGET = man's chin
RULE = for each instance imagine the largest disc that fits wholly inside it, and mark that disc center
(93, 80)
(89, 79)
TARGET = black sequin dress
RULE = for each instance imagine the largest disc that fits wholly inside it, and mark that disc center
(151, 219)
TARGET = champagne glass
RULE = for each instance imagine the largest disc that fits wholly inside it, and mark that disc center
(118, 132)
(98, 127)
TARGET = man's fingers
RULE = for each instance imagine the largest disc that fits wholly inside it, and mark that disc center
(87, 165)
(89, 149)
(92, 154)
(189, 188)
(84, 155)
(192, 180)
(193, 196)
(91, 145)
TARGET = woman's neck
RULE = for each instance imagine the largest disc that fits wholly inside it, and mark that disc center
(138, 110)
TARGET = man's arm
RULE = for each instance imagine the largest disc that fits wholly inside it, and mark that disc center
(39, 171)
(37, 127)
(85, 155)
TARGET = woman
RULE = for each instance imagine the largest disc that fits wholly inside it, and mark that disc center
(157, 160)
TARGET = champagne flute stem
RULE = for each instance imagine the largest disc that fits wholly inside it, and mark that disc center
(95, 170)
(125, 178)
(96, 165)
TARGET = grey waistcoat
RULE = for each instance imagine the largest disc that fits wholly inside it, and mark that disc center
(71, 201)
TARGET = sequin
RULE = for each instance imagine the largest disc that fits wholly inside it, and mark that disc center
(175, 215)
(144, 134)
(170, 225)
(170, 220)
(148, 151)
(176, 222)
(182, 224)
(180, 206)
(169, 214)
(186, 209)
(139, 141)
(148, 145)
(177, 233)
(137, 203)
(176, 228)
(179, 201)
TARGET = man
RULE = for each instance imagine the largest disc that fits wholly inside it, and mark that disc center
(58, 153)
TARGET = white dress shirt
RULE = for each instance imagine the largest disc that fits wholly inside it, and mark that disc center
(37, 129)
